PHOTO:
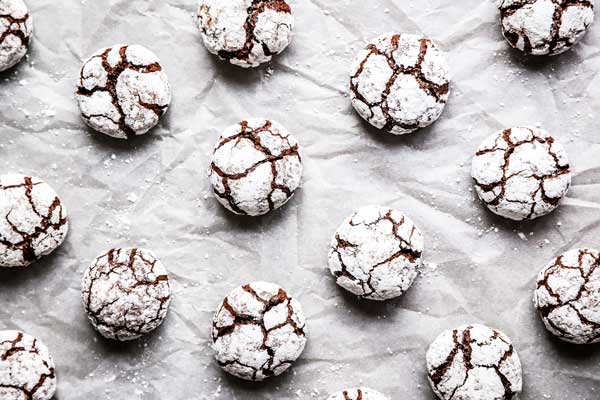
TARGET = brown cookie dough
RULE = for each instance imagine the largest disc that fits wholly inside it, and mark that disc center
(16, 28)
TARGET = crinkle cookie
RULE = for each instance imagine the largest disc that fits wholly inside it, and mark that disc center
(474, 362)
(357, 394)
(16, 28)
(258, 331)
(542, 27)
(400, 83)
(123, 91)
(33, 221)
(521, 173)
(255, 167)
(26, 368)
(376, 253)
(246, 33)
(567, 296)
(126, 293)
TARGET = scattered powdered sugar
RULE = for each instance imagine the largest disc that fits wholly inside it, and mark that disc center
(567, 296)
(542, 27)
(376, 253)
(246, 33)
(258, 331)
(33, 221)
(16, 28)
(521, 173)
(474, 362)
(358, 394)
(400, 83)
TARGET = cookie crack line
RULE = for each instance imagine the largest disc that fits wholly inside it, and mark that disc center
(15, 32)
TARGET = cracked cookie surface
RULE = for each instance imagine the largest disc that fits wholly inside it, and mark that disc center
(521, 173)
(258, 331)
(567, 296)
(376, 253)
(126, 293)
(245, 33)
(122, 91)
(474, 362)
(357, 394)
(545, 27)
(27, 370)
(255, 167)
(400, 83)
(33, 221)
(16, 28)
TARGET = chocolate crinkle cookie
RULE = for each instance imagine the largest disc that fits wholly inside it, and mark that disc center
(123, 91)
(16, 28)
(376, 253)
(246, 33)
(27, 371)
(400, 83)
(126, 293)
(358, 394)
(258, 331)
(567, 296)
(255, 167)
(33, 220)
(545, 27)
(474, 362)
(521, 173)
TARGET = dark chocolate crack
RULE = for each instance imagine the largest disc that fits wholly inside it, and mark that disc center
(359, 395)
(20, 32)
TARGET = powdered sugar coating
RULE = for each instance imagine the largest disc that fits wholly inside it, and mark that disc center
(16, 28)
(376, 253)
(358, 394)
(521, 173)
(258, 331)
(123, 91)
(255, 167)
(400, 83)
(27, 370)
(33, 221)
(126, 293)
(542, 27)
(474, 362)
(246, 33)
(567, 296)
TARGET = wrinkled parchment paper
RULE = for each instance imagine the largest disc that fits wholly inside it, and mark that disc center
(153, 192)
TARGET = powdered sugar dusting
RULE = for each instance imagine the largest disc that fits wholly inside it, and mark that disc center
(16, 28)
(358, 394)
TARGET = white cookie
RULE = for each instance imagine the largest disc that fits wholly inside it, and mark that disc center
(400, 83)
(567, 296)
(16, 28)
(246, 33)
(358, 394)
(33, 221)
(521, 173)
(542, 27)
(376, 253)
(126, 293)
(474, 363)
(27, 371)
(123, 91)
(255, 167)
(258, 331)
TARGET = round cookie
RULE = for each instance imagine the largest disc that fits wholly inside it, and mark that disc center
(246, 33)
(33, 221)
(521, 173)
(567, 296)
(16, 28)
(255, 167)
(126, 293)
(400, 83)
(357, 394)
(376, 253)
(27, 371)
(122, 91)
(474, 362)
(542, 27)
(258, 331)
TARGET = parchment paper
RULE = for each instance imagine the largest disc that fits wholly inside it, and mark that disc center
(153, 192)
